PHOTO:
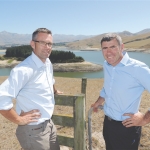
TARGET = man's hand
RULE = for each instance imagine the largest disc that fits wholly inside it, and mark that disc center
(95, 107)
(22, 119)
(136, 119)
(29, 117)
(98, 103)
(58, 92)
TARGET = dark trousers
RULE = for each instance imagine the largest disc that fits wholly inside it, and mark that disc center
(118, 137)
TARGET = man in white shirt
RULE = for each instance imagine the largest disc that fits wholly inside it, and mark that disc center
(31, 83)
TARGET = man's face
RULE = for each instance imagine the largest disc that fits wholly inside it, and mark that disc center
(40, 48)
(112, 51)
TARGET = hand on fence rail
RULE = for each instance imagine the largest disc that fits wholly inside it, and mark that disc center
(92, 109)
(98, 103)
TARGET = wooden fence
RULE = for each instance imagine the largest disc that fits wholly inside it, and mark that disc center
(76, 120)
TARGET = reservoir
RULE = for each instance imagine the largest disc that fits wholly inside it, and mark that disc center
(90, 56)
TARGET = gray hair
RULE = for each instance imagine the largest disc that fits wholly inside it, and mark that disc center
(110, 36)
(40, 30)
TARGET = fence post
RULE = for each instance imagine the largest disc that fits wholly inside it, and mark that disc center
(83, 90)
(79, 128)
(83, 86)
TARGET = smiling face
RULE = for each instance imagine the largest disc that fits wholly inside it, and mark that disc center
(112, 51)
(42, 51)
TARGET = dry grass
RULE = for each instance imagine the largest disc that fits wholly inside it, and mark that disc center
(73, 86)
(94, 42)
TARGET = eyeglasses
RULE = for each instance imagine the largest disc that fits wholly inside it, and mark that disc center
(44, 43)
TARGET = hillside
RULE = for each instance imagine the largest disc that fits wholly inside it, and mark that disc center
(12, 39)
(139, 40)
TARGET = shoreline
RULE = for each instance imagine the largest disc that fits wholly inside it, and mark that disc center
(92, 49)
(137, 50)
(61, 67)
(99, 49)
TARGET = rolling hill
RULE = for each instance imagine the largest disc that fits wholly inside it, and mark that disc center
(139, 40)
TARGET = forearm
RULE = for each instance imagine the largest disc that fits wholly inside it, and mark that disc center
(11, 115)
(146, 118)
(98, 103)
(55, 91)
(100, 100)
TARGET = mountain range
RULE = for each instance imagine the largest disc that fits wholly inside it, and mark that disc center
(8, 39)
(139, 40)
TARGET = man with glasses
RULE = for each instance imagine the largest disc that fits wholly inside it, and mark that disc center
(125, 79)
(31, 83)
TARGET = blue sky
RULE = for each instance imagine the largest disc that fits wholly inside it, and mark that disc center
(77, 17)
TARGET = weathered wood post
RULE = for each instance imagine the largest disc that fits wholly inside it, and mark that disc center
(83, 90)
(79, 128)
(83, 86)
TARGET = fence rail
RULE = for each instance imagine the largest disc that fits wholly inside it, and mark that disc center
(77, 120)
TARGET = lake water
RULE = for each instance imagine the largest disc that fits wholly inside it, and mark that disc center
(90, 56)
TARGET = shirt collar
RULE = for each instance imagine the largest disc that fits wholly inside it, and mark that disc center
(125, 58)
(38, 62)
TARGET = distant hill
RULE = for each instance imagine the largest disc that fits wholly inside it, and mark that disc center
(139, 40)
(9, 39)
(58, 38)
(143, 31)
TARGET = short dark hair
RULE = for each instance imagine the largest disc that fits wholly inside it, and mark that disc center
(40, 30)
(110, 36)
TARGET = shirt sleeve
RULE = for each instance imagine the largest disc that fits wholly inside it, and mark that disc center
(51, 71)
(143, 76)
(53, 81)
(10, 88)
(102, 93)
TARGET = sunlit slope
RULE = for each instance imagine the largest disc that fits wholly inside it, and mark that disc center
(134, 41)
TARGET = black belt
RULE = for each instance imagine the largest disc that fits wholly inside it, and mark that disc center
(110, 119)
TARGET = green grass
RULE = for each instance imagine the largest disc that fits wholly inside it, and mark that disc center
(10, 60)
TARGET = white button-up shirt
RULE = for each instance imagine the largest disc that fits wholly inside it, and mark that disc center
(31, 84)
